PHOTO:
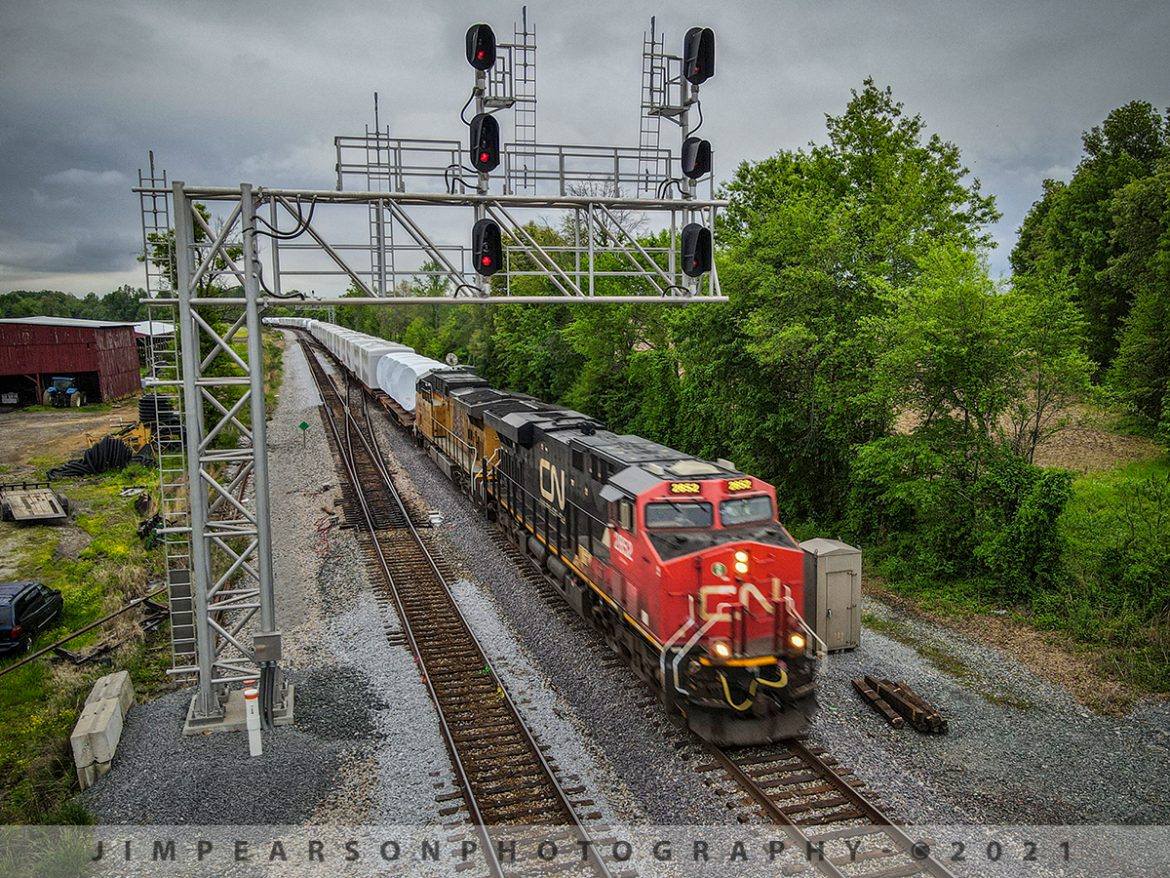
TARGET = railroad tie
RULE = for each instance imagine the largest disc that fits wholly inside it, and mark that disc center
(880, 704)
(909, 704)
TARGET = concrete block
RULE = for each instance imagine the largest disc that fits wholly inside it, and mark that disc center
(96, 735)
(116, 686)
(79, 739)
(87, 776)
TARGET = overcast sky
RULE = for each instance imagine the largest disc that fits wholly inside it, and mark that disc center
(225, 92)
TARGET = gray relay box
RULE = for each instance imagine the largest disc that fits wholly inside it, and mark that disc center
(838, 592)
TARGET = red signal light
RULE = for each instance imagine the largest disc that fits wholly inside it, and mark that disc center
(485, 143)
(481, 47)
(487, 246)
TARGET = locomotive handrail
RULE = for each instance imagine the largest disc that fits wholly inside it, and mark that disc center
(719, 610)
(791, 604)
(669, 645)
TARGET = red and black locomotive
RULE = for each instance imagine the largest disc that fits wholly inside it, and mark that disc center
(679, 562)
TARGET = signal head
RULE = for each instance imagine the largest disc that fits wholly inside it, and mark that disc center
(481, 47)
(696, 250)
(699, 55)
(485, 143)
(487, 247)
(696, 157)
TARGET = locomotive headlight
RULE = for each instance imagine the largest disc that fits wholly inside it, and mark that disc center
(721, 649)
(797, 640)
(741, 555)
(741, 561)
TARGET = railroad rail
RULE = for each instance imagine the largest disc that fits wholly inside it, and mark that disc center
(507, 783)
(818, 805)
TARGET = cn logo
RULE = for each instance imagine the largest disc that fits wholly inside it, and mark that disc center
(552, 483)
(714, 600)
(623, 546)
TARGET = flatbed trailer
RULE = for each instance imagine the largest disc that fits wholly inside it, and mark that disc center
(32, 501)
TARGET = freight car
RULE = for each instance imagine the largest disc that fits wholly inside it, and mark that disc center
(680, 563)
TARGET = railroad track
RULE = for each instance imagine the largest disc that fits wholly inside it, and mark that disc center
(820, 804)
(510, 788)
(822, 808)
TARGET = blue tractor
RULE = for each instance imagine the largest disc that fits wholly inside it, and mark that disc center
(63, 393)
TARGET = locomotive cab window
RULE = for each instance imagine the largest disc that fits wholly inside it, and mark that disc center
(745, 510)
(626, 515)
(679, 515)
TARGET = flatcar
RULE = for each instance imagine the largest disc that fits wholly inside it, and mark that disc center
(680, 563)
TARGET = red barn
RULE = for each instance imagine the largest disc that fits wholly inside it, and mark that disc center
(100, 356)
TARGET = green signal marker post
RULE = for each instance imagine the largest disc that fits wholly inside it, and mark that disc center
(304, 432)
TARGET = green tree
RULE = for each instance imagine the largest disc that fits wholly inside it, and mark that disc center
(954, 494)
(1141, 371)
(812, 239)
(1052, 371)
(1073, 228)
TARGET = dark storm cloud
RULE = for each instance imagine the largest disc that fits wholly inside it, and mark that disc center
(224, 91)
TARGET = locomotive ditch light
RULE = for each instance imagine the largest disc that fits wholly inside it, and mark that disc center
(485, 143)
(699, 55)
(487, 247)
(696, 250)
(696, 157)
(721, 649)
(797, 641)
(481, 46)
(741, 562)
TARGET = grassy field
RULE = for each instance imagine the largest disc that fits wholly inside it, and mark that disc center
(1106, 629)
(1116, 530)
(99, 564)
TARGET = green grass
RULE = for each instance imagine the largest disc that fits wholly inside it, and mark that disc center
(945, 661)
(40, 702)
(1113, 599)
(88, 407)
(1116, 530)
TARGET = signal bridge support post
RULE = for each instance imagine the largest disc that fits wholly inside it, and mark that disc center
(232, 587)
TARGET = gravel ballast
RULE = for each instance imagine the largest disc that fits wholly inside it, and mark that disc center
(365, 748)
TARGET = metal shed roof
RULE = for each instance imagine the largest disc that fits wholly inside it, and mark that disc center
(76, 322)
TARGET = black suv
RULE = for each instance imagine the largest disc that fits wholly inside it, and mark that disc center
(25, 609)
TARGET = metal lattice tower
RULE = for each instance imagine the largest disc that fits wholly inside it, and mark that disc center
(378, 179)
(654, 78)
(524, 112)
(166, 382)
(213, 471)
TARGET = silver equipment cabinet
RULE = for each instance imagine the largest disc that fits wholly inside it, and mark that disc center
(838, 591)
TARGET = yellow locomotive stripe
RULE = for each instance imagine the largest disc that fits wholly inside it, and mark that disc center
(758, 661)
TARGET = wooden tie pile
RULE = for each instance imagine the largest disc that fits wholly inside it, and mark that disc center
(898, 703)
